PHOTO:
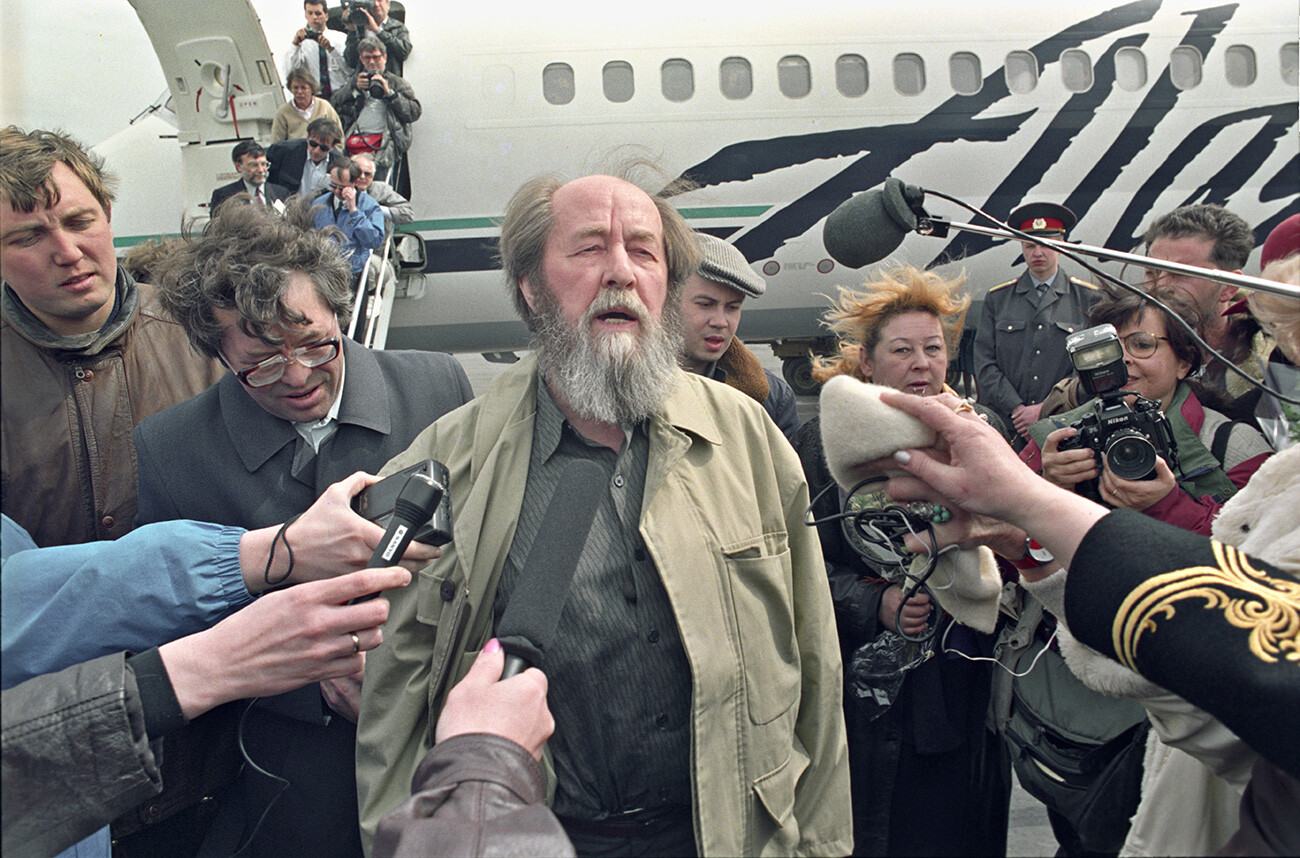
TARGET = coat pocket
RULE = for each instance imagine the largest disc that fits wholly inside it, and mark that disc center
(760, 578)
(775, 790)
(442, 605)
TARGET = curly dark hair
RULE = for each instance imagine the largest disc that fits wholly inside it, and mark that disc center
(1119, 309)
(243, 262)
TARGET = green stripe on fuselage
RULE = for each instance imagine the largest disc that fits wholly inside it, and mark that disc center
(455, 223)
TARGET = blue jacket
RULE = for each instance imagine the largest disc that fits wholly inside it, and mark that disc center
(70, 603)
(363, 229)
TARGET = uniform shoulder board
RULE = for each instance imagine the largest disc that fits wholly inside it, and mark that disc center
(1002, 285)
(1084, 283)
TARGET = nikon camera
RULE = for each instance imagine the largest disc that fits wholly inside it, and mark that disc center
(1130, 437)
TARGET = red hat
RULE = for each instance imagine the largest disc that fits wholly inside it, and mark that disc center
(1283, 241)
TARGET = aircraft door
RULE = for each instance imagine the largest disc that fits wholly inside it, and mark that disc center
(223, 81)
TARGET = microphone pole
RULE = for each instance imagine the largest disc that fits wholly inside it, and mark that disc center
(938, 227)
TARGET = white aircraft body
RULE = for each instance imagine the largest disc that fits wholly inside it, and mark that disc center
(1120, 110)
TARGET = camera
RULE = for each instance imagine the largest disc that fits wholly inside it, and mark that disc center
(376, 86)
(378, 501)
(355, 12)
(1130, 437)
(309, 33)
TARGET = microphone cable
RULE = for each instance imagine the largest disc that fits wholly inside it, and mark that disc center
(284, 782)
(876, 534)
(1082, 262)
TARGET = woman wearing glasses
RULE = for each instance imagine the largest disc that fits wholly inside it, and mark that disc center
(1215, 456)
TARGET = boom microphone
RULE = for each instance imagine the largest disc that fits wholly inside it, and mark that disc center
(542, 587)
(868, 227)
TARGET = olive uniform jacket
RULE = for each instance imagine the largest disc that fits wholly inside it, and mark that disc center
(1020, 343)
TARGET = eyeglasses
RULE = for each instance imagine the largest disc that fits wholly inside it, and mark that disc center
(317, 145)
(1141, 344)
(367, 172)
(272, 369)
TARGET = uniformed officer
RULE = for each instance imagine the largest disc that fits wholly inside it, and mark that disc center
(1020, 345)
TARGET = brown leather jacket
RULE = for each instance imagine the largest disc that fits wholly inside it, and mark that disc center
(69, 405)
(474, 794)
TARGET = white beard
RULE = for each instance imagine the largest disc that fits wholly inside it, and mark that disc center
(620, 377)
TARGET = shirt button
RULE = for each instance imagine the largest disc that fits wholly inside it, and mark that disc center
(661, 720)
(107, 521)
(618, 480)
(639, 555)
(653, 637)
(447, 591)
(1040, 327)
(88, 375)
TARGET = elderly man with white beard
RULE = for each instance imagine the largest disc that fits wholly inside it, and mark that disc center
(694, 673)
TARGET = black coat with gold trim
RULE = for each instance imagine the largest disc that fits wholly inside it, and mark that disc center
(1199, 618)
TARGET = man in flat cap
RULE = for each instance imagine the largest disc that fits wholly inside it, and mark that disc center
(1020, 344)
(711, 304)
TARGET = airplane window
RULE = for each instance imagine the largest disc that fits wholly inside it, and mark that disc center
(1130, 69)
(909, 74)
(1185, 67)
(851, 75)
(618, 83)
(1021, 71)
(677, 79)
(1239, 65)
(793, 76)
(1291, 63)
(736, 77)
(1076, 70)
(964, 73)
(557, 83)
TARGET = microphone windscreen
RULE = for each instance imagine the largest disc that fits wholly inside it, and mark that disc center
(546, 573)
(870, 226)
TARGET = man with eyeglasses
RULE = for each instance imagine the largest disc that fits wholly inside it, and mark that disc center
(250, 162)
(303, 165)
(302, 407)
(1020, 342)
(396, 208)
(378, 110)
(355, 214)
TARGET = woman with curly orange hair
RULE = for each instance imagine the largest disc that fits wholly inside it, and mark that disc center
(927, 777)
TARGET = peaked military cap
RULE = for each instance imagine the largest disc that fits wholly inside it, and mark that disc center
(1046, 219)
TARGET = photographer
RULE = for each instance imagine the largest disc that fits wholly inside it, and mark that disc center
(312, 51)
(1215, 457)
(370, 19)
(377, 110)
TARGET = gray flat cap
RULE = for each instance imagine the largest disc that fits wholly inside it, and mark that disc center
(725, 264)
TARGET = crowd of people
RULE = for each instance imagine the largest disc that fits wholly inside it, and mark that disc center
(780, 638)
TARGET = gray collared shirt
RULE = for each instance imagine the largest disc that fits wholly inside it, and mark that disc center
(620, 684)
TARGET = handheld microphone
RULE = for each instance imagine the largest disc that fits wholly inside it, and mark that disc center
(414, 507)
(868, 227)
(529, 620)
